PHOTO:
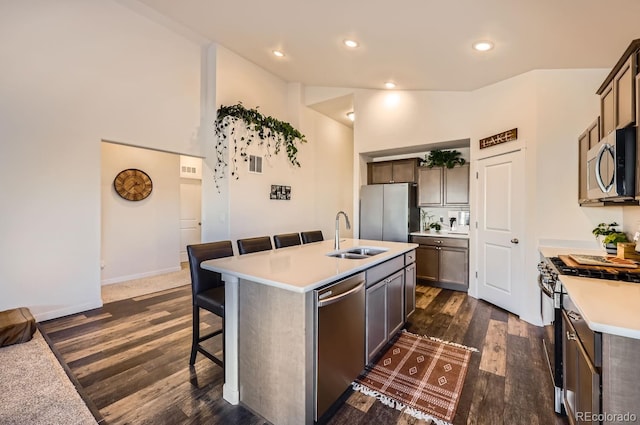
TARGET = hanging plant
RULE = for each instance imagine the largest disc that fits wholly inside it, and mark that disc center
(449, 159)
(241, 127)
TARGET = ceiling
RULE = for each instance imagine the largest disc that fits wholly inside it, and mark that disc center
(418, 44)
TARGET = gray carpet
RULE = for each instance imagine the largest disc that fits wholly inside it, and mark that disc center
(35, 390)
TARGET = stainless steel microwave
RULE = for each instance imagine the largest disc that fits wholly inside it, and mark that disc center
(611, 166)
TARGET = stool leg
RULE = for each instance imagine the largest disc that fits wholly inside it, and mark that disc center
(196, 334)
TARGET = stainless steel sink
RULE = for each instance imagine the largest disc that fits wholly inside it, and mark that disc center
(367, 251)
(357, 253)
(349, 255)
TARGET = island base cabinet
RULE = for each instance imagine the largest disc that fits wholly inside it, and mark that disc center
(409, 290)
(376, 319)
(395, 303)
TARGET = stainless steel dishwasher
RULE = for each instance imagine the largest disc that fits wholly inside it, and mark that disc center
(339, 339)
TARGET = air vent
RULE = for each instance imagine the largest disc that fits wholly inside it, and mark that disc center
(255, 164)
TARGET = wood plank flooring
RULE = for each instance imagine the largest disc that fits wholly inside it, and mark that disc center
(131, 358)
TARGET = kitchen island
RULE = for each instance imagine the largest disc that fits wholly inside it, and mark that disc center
(270, 321)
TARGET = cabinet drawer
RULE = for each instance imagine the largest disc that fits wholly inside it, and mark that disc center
(410, 257)
(436, 241)
(379, 272)
(592, 341)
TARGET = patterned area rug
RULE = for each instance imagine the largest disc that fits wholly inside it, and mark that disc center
(420, 376)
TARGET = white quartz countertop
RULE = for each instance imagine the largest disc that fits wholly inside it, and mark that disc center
(442, 234)
(305, 267)
(608, 306)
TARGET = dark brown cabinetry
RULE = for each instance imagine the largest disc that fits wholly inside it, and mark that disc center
(442, 262)
(588, 139)
(441, 186)
(617, 92)
(397, 171)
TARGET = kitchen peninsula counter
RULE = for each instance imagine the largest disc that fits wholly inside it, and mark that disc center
(608, 306)
(270, 321)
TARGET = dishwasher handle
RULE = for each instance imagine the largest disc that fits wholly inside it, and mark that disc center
(336, 298)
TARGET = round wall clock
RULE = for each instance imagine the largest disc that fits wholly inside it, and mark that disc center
(133, 184)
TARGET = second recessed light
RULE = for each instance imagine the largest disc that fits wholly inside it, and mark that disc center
(390, 85)
(351, 43)
(278, 53)
(483, 46)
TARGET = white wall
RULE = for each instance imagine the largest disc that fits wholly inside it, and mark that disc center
(320, 187)
(75, 73)
(140, 239)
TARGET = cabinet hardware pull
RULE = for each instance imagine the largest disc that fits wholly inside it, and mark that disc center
(573, 315)
(571, 336)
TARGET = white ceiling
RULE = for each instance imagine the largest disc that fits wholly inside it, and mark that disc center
(419, 44)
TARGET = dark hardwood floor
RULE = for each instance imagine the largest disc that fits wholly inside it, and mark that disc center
(131, 359)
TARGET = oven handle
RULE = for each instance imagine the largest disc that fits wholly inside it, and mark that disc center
(544, 289)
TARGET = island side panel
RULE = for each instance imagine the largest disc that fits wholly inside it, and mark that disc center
(620, 377)
(276, 353)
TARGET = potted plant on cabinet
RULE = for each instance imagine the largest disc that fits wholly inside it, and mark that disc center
(609, 236)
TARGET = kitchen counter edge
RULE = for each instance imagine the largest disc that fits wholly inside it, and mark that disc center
(607, 306)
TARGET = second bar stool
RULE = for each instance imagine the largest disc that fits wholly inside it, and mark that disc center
(286, 239)
(249, 245)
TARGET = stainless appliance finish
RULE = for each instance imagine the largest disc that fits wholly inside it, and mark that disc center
(388, 212)
(339, 339)
(611, 166)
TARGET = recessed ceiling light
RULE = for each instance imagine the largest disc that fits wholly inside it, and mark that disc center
(483, 46)
(351, 43)
(278, 53)
(390, 85)
(351, 115)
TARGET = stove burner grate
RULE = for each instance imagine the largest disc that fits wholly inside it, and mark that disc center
(622, 276)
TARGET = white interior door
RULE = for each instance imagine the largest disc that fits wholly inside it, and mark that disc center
(190, 215)
(501, 229)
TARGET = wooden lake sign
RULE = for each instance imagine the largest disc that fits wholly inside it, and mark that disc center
(496, 139)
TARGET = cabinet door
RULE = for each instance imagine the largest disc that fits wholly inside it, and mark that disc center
(376, 326)
(456, 185)
(380, 172)
(395, 302)
(583, 147)
(607, 114)
(624, 93)
(594, 133)
(454, 266)
(427, 259)
(569, 367)
(430, 186)
(588, 397)
(404, 171)
(409, 290)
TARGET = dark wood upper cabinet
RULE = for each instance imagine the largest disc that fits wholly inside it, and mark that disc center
(441, 186)
(618, 92)
(588, 139)
(397, 171)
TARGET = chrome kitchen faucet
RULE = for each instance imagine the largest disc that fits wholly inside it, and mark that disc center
(336, 243)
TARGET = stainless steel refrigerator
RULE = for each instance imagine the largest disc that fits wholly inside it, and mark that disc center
(388, 212)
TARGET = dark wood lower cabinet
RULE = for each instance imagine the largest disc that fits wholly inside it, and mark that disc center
(442, 262)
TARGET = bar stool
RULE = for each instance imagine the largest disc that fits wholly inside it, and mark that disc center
(286, 239)
(312, 236)
(207, 289)
(249, 245)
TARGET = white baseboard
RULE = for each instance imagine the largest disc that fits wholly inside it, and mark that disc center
(139, 275)
(41, 316)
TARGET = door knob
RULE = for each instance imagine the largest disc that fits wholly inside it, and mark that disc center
(515, 240)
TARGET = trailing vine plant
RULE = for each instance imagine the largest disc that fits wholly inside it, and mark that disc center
(237, 128)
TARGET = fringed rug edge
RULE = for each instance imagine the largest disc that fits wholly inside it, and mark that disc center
(398, 405)
(453, 344)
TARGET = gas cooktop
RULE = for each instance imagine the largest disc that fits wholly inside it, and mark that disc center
(610, 274)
